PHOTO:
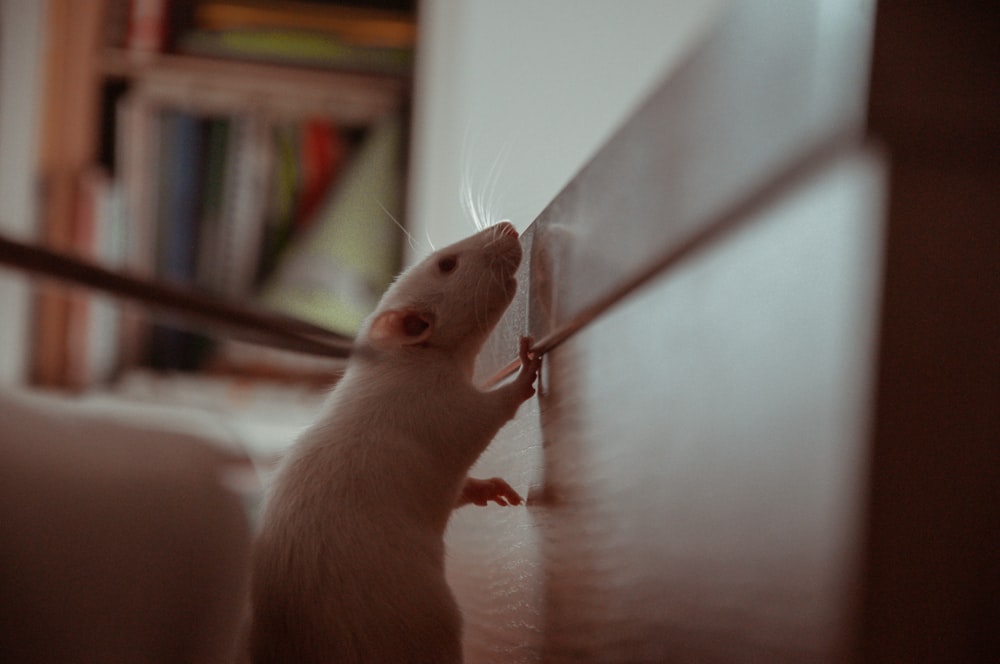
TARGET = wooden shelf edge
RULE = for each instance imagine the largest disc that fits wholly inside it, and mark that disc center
(216, 85)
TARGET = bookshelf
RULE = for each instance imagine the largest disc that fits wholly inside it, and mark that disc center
(267, 167)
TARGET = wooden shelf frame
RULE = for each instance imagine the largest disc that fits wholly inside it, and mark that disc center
(79, 64)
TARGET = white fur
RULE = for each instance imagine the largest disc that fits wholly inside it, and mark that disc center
(349, 562)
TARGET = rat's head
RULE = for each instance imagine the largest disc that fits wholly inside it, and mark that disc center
(452, 299)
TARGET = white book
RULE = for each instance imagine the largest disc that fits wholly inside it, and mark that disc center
(236, 240)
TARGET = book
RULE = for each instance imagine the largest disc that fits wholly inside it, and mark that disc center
(117, 15)
(217, 136)
(334, 273)
(288, 176)
(364, 27)
(239, 235)
(181, 150)
(65, 144)
(322, 153)
(94, 321)
(103, 336)
(146, 26)
(302, 48)
(181, 154)
(307, 159)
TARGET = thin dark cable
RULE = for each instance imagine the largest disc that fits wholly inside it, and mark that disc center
(219, 316)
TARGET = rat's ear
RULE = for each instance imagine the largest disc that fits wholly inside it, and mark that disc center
(402, 327)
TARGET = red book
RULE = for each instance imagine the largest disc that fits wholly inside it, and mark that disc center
(323, 152)
(147, 26)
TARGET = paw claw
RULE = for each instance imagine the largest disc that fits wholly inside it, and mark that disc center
(530, 365)
(524, 351)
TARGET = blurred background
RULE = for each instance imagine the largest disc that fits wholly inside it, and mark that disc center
(274, 152)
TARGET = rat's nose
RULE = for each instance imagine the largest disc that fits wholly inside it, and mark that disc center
(506, 228)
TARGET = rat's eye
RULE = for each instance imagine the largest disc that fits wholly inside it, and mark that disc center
(447, 264)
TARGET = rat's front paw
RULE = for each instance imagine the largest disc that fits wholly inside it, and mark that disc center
(531, 363)
(481, 492)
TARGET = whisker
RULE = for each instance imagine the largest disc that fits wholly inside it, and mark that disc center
(484, 210)
(481, 209)
(481, 203)
(489, 194)
(465, 186)
(409, 236)
(468, 202)
(474, 211)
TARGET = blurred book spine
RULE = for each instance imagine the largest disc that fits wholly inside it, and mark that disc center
(219, 202)
(294, 47)
(146, 26)
(178, 211)
(94, 322)
(360, 26)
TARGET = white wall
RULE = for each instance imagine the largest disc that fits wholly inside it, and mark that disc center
(20, 90)
(517, 95)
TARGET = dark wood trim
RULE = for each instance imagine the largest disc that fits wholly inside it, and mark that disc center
(932, 581)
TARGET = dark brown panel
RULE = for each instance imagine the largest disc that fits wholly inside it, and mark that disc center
(933, 581)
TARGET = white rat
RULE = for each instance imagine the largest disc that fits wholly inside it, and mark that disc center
(348, 565)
